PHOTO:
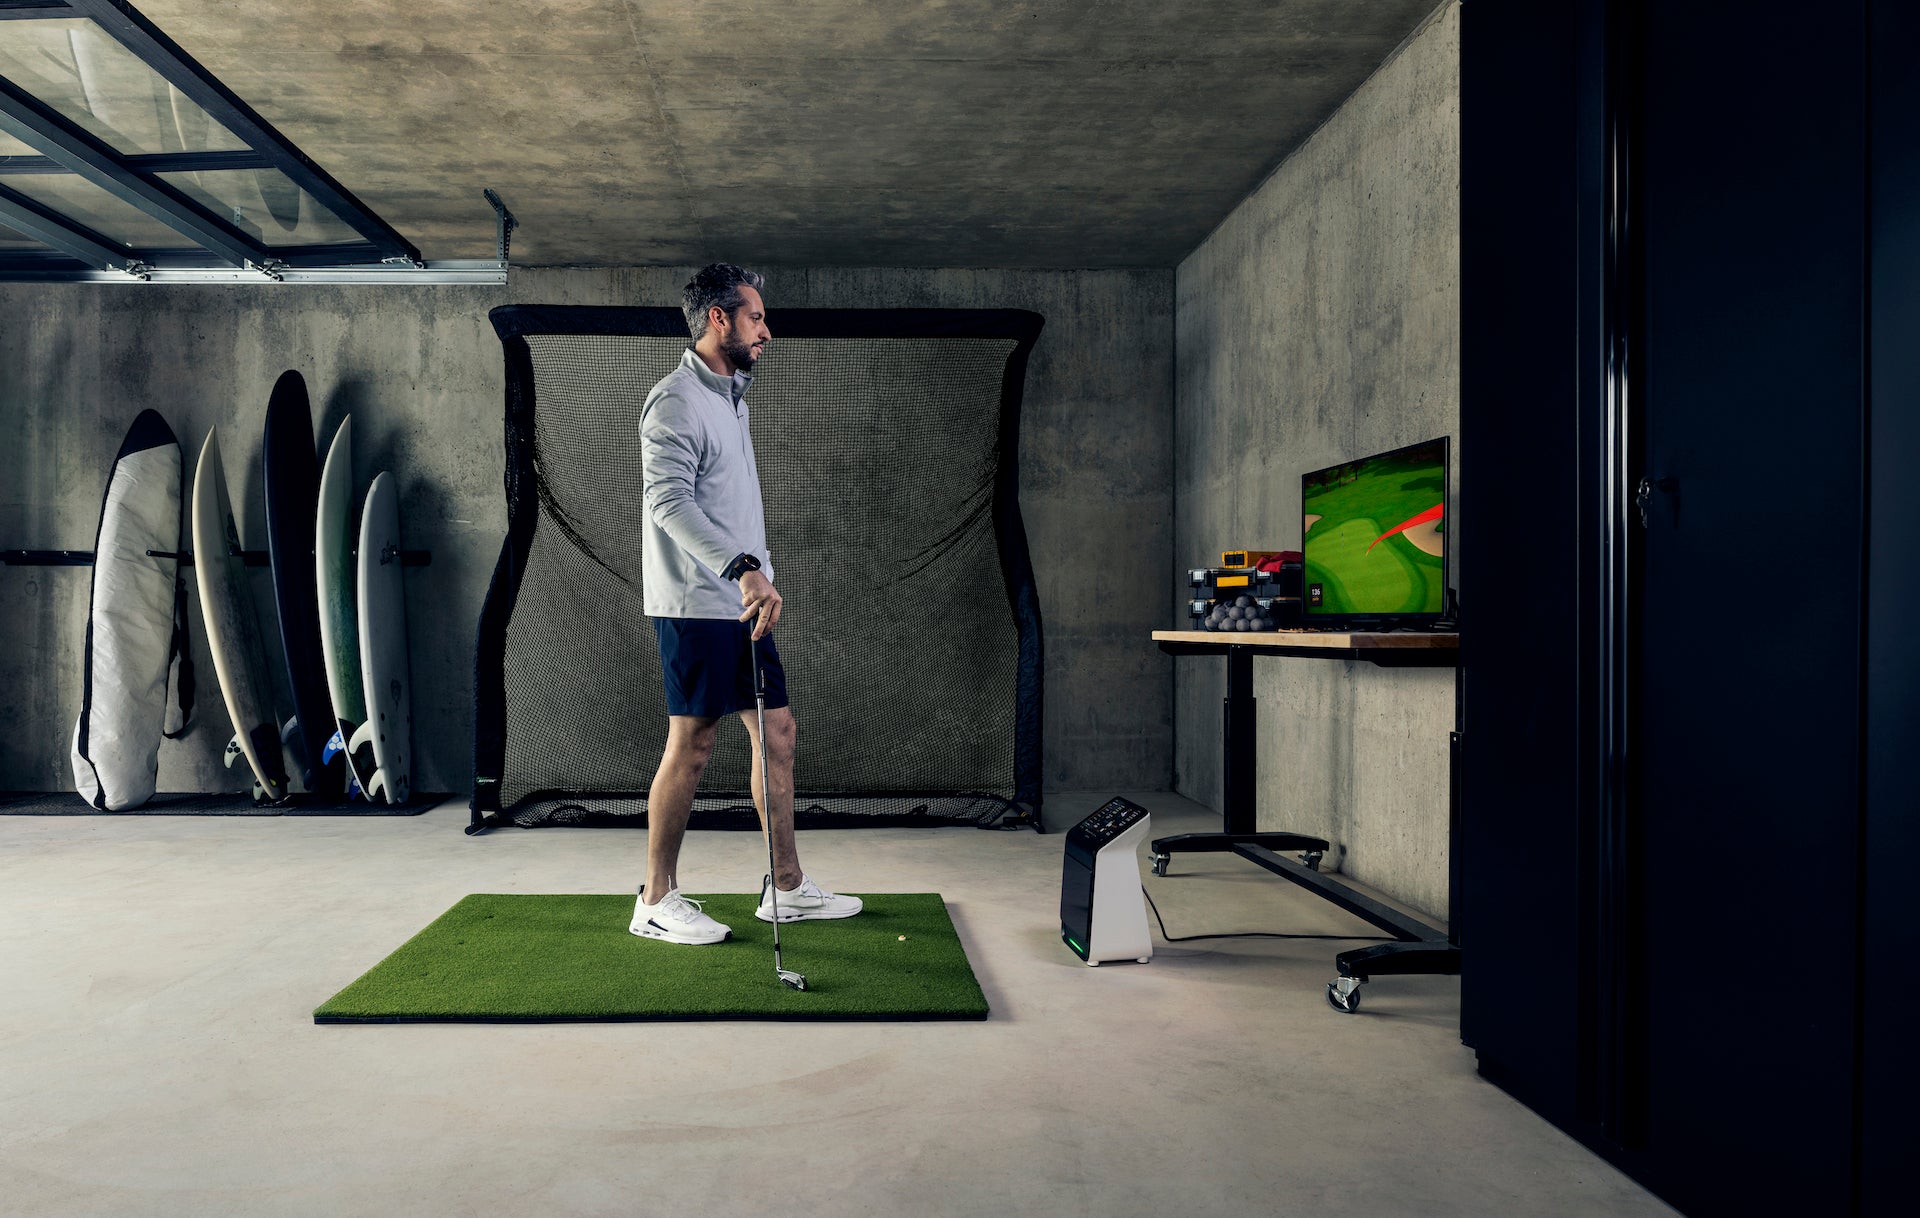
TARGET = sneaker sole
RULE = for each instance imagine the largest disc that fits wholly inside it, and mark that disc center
(654, 932)
(785, 917)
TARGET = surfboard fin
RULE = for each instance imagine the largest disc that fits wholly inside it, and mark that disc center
(336, 745)
(233, 752)
(377, 789)
(300, 780)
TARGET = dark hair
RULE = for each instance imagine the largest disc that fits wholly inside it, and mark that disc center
(716, 284)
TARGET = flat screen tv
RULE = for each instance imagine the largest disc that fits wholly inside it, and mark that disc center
(1374, 533)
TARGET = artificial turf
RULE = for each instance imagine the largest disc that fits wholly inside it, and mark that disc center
(496, 958)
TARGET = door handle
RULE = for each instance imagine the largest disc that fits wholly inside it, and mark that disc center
(1643, 494)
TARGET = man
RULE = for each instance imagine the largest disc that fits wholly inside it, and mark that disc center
(710, 593)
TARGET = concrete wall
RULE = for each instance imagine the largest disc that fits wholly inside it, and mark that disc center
(420, 369)
(1320, 323)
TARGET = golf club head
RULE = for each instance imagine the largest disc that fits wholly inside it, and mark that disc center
(791, 979)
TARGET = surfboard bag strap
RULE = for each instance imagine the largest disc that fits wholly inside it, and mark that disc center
(180, 668)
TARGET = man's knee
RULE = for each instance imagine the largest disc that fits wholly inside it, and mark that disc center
(689, 744)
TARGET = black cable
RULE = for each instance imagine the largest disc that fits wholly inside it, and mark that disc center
(1255, 934)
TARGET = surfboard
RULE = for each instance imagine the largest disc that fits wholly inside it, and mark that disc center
(135, 628)
(383, 646)
(339, 615)
(233, 635)
(292, 490)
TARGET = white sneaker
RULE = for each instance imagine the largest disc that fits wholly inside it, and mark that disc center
(807, 901)
(676, 919)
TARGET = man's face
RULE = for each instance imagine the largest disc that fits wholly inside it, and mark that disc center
(745, 334)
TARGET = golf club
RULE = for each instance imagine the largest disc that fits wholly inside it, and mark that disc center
(789, 978)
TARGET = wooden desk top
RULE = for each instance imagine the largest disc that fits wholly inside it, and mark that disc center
(1315, 640)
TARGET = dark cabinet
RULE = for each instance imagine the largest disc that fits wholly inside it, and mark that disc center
(1690, 383)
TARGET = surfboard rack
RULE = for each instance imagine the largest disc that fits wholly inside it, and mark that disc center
(258, 558)
(84, 558)
(47, 558)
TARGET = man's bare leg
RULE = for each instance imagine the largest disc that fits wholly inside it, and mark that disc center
(670, 799)
(776, 807)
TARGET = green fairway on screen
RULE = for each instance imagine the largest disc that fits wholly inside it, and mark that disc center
(1375, 533)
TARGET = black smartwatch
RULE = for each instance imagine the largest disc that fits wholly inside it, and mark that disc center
(741, 564)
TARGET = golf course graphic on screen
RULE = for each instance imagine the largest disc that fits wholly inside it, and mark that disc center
(1375, 533)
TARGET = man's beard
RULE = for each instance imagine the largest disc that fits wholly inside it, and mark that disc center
(739, 353)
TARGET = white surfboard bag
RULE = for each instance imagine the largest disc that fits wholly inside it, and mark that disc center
(136, 626)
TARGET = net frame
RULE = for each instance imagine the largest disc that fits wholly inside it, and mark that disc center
(515, 324)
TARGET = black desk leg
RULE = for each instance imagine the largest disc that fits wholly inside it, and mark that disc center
(1238, 762)
(1239, 775)
(1434, 954)
(1421, 948)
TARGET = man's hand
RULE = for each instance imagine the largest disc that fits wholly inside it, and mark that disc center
(762, 602)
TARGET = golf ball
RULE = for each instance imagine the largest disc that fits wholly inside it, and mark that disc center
(903, 938)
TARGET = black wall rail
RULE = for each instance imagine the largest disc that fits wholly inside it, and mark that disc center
(84, 558)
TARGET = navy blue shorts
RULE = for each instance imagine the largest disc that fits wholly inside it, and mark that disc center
(706, 665)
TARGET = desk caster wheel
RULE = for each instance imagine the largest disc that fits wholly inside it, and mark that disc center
(1343, 994)
(1160, 862)
(1312, 859)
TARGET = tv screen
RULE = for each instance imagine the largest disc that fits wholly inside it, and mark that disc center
(1374, 535)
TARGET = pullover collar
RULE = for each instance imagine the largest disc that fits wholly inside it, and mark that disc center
(733, 387)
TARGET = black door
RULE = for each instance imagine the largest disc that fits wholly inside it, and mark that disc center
(1744, 608)
(1687, 809)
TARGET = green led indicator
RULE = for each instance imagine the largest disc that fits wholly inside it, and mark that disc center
(1075, 946)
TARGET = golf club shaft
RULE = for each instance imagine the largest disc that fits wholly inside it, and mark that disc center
(766, 794)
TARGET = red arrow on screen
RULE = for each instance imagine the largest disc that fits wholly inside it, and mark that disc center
(1432, 513)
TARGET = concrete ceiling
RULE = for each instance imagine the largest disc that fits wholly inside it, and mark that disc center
(1009, 133)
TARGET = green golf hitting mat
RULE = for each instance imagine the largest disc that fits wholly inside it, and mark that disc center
(558, 959)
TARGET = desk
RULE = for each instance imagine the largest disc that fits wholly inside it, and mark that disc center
(1420, 948)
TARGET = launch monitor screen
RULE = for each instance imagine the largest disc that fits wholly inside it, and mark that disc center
(1374, 532)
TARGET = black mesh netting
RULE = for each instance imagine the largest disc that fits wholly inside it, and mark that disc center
(886, 442)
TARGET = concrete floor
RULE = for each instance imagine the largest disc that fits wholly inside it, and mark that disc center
(157, 1056)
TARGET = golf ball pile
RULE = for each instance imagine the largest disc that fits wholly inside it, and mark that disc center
(1240, 613)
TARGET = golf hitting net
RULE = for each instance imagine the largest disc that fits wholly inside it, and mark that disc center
(888, 448)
